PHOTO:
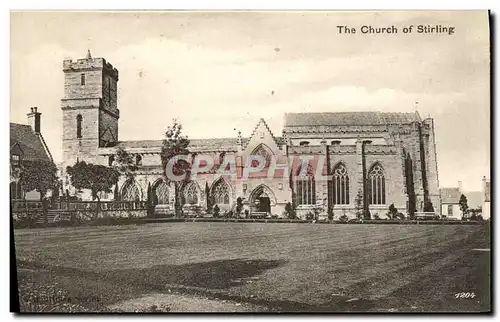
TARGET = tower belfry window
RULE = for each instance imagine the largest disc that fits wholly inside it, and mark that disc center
(82, 79)
(79, 126)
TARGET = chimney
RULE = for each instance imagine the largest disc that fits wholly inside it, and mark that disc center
(34, 119)
(460, 186)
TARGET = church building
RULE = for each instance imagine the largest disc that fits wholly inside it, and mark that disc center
(370, 159)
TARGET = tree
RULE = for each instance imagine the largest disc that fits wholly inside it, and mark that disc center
(174, 145)
(216, 211)
(463, 205)
(38, 175)
(358, 204)
(149, 202)
(96, 178)
(125, 163)
(208, 197)
(330, 212)
(116, 195)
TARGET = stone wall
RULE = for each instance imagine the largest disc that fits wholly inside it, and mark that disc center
(108, 127)
(84, 148)
(73, 88)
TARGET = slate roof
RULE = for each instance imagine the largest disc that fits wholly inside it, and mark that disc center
(194, 144)
(140, 144)
(450, 195)
(349, 118)
(31, 144)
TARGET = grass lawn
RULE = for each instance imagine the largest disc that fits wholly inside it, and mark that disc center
(285, 267)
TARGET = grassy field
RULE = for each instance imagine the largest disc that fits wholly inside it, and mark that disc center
(284, 267)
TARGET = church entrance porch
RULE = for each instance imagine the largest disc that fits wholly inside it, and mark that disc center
(261, 201)
(264, 204)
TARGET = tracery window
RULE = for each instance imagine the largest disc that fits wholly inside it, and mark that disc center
(191, 194)
(161, 193)
(339, 186)
(376, 182)
(263, 152)
(221, 193)
(305, 188)
(130, 191)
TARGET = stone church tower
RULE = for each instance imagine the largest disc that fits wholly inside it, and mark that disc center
(89, 106)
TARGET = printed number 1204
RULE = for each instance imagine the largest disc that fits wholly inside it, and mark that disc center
(464, 295)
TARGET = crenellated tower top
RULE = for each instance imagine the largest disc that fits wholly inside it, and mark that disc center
(88, 64)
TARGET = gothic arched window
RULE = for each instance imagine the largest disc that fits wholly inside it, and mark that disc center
(339, 186)
(79, 126)
(264, 152)
(130, 192)
(305, 187)
(191, 194)
(160, 193)
(221, 193)
(376, 184)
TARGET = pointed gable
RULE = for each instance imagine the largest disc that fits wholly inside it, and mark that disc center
(262, 134)
(32, 145)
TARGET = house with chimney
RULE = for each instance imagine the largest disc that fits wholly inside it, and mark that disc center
(26, 144)
(450, 202)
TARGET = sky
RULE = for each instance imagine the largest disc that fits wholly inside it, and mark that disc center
(219, 72)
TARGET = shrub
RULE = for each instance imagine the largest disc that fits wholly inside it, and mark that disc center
(309, 216)
(344, 218)
(290, 212)
(330, 213)
(239, 206)
(216, 211)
